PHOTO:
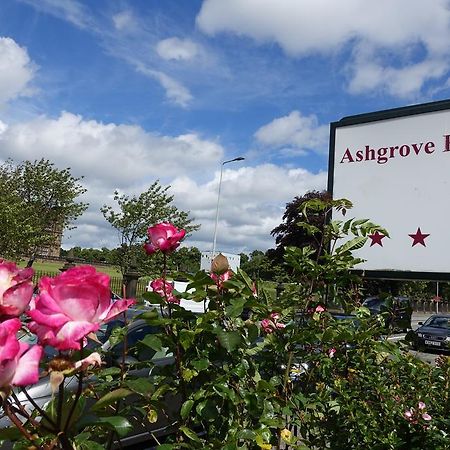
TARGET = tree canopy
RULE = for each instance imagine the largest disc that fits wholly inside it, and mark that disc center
(37, 201)
(288, 233)
(134, 214)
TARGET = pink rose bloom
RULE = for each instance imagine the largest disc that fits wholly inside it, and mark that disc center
(409, 414)
(165, 237)
(426, 417)
(319, 309)
(72, 305)
(16, 289)
(19, 363)
(267, 326)
(164, 289)
(331, 352)
(161, 287)
(422, 405)
(219, 279)
(275, 316)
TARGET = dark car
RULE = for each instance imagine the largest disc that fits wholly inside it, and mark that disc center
(434, 334)
(397, 311)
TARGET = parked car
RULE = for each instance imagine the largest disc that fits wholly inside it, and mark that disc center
(397, 311)
(434, 334)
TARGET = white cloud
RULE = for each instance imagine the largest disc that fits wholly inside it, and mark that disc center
(70, 10)
(117, 155)
(177, 49)
(252, 203)
(175, 91)
(369, 73)
(124, 21)
(16, 70)
(296, 132)
(390, 29)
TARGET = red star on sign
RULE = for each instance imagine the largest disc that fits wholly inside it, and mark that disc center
(376, 238)
(418, 238)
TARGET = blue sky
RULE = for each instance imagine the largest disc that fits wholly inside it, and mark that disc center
(127, 92)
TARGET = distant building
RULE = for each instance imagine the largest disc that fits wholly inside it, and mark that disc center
(53, 248)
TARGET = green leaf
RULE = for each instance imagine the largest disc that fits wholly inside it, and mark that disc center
(190, 434)
(229, 339)
(246, 278)
(88, 445)
(186, 408)
(246, 434)
(152, 341)
(352, 244)
(141, 386)
(119, 424)
(153, 298)
(111, 397)
(186, 338)
(236, 307)
(201, 364)
(9, 434)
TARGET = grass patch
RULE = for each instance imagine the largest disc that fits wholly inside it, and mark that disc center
(52, 267)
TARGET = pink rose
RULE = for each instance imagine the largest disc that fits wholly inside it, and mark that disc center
(165, 237)
(409, 414)
(331, 352)
(319, 309)
(16, 289)
(426, 417)
(267, 326)
(72, 305)
(271, 324)
(164, 289)
(422, 405)
(220, 279)
(19, 363)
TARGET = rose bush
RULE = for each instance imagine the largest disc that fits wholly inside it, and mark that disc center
(72, 305)
(252, 372)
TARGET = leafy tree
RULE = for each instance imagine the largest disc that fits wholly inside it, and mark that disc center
(187, 259)
(136, 213)
(288, 233)
(258, 265)
(37, 201)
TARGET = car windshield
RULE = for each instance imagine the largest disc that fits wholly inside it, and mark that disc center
(437, 322)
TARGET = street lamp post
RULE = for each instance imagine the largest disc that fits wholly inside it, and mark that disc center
(239, 158)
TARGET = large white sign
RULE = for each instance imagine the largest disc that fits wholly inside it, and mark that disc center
(395, 168)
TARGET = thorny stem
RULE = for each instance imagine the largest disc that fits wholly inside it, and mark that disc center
(38, 408)
(60, 405)
(15, 420)
(20, 409)
(78, 393)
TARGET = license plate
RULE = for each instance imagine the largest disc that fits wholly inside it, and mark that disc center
(434, 343)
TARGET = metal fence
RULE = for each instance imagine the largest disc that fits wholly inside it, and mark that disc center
(117, 284)
(430, 306)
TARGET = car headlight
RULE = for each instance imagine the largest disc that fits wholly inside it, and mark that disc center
(420, 335)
